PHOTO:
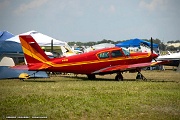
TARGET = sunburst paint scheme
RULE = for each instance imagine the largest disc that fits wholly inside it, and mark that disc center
(102, 61)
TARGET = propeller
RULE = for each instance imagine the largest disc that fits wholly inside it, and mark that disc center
(153, 58)
(151, 46)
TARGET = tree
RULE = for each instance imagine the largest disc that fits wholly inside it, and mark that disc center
(171, 48)
(177, 41)
(174, 41)
(161, 45)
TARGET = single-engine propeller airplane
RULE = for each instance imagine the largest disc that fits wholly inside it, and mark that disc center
(100, 62)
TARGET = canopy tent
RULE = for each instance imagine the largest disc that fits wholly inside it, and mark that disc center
(135, 43)
(103, 45)
(10, 47)
(46, 41)
(99, 46)
(5, 35)
(41, 39)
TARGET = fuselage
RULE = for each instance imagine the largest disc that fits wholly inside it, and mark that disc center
(86, 63)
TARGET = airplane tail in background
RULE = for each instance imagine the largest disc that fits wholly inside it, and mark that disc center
(35, 56)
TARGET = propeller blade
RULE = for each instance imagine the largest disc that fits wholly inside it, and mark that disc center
(152, 50)
(151, 45)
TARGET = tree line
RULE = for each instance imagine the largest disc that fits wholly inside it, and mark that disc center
(161, 45)
(176, 41)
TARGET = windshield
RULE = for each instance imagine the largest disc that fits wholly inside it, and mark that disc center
(126, 52)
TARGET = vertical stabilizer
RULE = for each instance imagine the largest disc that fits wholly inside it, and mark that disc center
(32, 51)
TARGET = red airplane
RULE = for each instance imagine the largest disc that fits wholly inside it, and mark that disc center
(101, 62)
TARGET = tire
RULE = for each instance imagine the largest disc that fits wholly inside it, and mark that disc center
(91, 76)
(119, 78)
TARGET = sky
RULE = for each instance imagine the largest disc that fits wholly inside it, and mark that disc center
(93, 20)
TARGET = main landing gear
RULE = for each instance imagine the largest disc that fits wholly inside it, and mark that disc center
(119, 77)
(91, 76)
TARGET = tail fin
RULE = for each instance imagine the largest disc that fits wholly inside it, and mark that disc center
(32, 51)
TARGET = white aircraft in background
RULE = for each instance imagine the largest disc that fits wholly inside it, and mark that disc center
(174, 59)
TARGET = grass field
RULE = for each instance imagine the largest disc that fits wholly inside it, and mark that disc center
(69, 97)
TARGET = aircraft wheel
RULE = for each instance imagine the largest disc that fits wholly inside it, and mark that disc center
(119, 77)
(91, 76)
(139, 76)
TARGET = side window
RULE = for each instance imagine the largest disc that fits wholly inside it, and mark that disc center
(116, 53)
(126, 52)
(103, 55)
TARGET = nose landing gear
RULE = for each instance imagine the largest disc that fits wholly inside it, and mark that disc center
(140, 76)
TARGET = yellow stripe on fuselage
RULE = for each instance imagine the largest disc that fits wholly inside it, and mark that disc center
(97, 61)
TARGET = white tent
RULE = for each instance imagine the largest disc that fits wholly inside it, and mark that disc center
(44, 40)
(99, 46)
(41, 39)
(103, 45)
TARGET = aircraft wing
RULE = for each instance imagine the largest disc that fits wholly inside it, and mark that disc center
(128, 67)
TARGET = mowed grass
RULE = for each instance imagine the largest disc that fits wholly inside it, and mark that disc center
(70, 97)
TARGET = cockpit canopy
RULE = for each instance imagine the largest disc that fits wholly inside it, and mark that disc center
(113, 54)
